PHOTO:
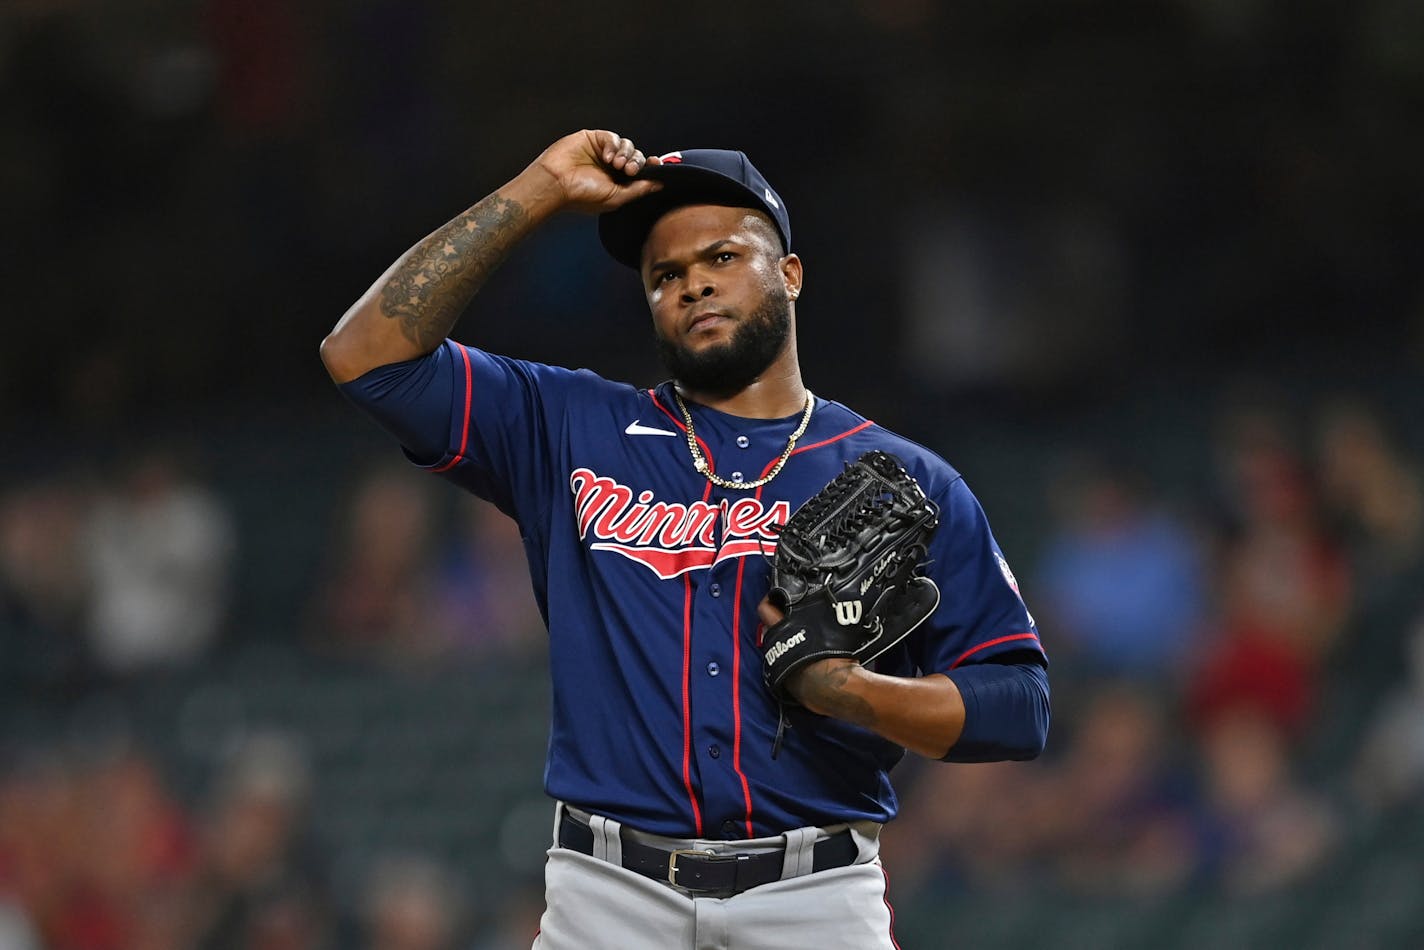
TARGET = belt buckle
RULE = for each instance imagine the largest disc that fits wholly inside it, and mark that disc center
(672, 861)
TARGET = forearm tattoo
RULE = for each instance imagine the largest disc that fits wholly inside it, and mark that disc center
(440, 275)
(824, 686)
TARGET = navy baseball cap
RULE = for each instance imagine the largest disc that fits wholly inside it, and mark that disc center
(711, 176)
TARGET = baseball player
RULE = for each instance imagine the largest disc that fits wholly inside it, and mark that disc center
(647, 515)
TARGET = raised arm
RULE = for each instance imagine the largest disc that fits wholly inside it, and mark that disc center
(415, 303)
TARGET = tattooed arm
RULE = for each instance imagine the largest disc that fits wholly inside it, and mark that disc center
(415, 303)
(924, 714)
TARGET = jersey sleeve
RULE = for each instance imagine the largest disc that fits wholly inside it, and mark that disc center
(981, 613)
(490, 423)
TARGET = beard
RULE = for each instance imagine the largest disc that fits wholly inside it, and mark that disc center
(730, 367)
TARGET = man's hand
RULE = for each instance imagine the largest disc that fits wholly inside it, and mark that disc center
(594, 171)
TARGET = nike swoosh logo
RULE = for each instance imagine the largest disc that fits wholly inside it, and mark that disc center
(635, 429)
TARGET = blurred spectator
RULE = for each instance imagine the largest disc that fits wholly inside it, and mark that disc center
(482, 600)
(137, 857)
(401, 591)
(374, 601)
(990, 839)
(40, 843)
(1390, 769)
(517, 921)
(1257, 673)
(42, 579)
(98, 856)
(1267, 829)
(259, 885)
(1282, 577)
(1122, 579)
(159, 548)
(15, 930)
(1376, 499)
(411, 904)
(1128, 829)
(1284, 584)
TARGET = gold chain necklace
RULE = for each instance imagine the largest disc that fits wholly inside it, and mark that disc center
(700, 463)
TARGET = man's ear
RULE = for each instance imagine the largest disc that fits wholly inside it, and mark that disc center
(791, 275)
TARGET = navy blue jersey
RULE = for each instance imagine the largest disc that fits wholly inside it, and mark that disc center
(648, 577)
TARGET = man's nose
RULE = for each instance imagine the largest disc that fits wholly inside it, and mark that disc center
(698, 286)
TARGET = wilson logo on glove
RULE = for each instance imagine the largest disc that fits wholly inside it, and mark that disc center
(848, 612)
(778, 650)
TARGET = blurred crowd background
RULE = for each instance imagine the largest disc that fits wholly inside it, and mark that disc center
(1150, 275)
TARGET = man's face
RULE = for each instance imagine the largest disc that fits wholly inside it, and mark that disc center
(717, 286)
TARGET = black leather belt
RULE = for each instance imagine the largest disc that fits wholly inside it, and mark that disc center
(706, 872)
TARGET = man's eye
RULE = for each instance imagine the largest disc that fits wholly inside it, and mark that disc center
(725, 257)
(667, 276)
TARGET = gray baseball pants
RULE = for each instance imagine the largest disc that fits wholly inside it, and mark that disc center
(594, 903)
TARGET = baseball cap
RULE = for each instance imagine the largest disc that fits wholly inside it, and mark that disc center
(692, 176)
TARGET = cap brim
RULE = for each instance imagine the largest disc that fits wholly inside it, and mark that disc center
(623, 231)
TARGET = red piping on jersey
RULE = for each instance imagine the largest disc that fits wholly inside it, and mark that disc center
(465, 431)
(687, 646)
(737, 695)
(992, 643)
(681, 425)
(890, 907)
(687, 700)
(813, 445)
(816, 445)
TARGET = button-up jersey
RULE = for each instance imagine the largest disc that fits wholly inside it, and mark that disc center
(648, 577)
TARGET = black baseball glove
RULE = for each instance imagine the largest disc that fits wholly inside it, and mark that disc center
(845, 571)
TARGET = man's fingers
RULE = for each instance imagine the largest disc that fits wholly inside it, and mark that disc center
(768, 614)
(619, 153)
(612, 152)
(608, 145)
(623, 153)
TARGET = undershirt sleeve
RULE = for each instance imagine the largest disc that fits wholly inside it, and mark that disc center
(1006, 711)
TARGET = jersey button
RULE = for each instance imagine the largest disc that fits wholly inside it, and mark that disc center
(715, 590)
(736, 476)
(713, 669)
(731, 831)
(743, 441)
(714, 751)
